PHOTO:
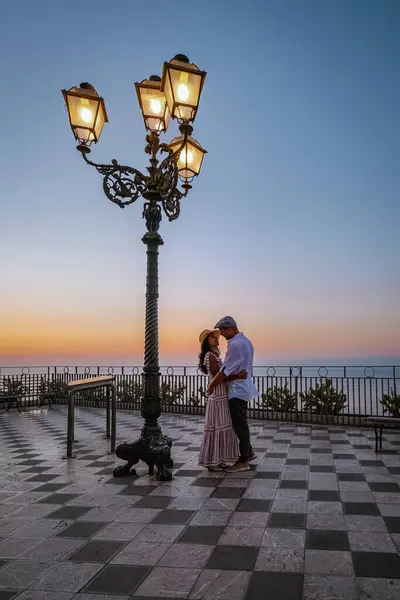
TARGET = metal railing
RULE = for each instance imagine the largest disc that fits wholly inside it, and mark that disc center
(337, 394)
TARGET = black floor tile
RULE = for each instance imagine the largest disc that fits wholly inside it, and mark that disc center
(360, 508)
(393, 524)
(201, 535)
(291, 484)
(287, 520)
(228, 492)
(9, 594)
(31, 462)
(321, 450)
(187, 473)
(69, 512)
(276, 455)
(387, 487)
(376, 564)
(37, 469)
(233, 558)
(300, 445)
(252, 505)
(154, 502)
(324, 496)
(106, 471)
(351, 477)
(118, 481)
(322, 469)
(344, 457)
(362, 446)
(91, 457)
(3, 563)
(297, 461)
(44, 477)
(97, 551)
(82, 529)
(58, 498)
(371, 463)
(275, 586)
(267, 475)
(325, 539)
(394, 470)
(50, 487)
(173, 517)
(137, 490)
(206, 482)
(118, 580)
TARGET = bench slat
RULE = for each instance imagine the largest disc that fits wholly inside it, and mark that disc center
(91, 382)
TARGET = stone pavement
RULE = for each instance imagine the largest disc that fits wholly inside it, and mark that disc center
(317, 518)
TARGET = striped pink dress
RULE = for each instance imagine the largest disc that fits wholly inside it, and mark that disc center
(220, 446)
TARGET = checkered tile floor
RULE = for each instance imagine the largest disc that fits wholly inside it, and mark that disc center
(317, 518)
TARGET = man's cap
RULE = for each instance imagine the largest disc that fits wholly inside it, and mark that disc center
(226, 322)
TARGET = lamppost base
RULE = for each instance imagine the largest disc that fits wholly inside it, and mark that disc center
(153, 448)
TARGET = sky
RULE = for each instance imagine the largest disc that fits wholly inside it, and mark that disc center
(292, 226)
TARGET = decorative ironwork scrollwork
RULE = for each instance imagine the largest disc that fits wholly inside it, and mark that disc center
(121, 184)
(172, 204)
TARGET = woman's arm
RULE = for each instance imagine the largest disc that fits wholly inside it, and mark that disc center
(214, 366)
(241, 375)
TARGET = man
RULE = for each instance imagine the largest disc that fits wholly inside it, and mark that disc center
(239, 357)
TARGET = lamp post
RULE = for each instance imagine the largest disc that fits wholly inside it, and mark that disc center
(174, 96)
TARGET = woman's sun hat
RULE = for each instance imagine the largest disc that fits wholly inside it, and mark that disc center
(204, 335)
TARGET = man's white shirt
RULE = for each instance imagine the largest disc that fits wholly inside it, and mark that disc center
(239, 357)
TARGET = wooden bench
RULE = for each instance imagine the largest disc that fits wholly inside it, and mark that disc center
(91, 383)
(379, 423)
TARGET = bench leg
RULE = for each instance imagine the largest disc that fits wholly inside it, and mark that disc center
(376, 438)
(380, 438)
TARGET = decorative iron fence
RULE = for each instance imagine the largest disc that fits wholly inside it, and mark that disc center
(291, 393)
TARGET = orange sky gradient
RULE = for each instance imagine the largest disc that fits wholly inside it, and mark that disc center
(116, 338)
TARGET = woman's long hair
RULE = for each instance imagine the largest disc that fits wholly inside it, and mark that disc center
(204, 349)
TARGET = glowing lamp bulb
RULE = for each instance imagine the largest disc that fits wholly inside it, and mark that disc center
(183, 92)
(86, 115)
(155, 106)
(186, 157)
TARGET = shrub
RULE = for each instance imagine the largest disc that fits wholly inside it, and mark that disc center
(132, 391)
(13, 387)
(129, 391)
(279, 399)
(199, 399)
(324, 399)
(55, 389)
(171, 394)
(391, 404)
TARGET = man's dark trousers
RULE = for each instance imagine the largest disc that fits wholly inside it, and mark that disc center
(238, 410)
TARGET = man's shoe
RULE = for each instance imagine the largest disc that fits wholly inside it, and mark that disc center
(252, 457)
(238, 468)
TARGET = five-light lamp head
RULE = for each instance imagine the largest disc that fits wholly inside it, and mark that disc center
(176, 95)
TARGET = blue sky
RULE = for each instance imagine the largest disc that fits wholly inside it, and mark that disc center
(292, 226)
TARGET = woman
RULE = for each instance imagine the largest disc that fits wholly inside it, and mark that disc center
(220, 447)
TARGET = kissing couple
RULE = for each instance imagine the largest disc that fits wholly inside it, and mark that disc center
(226, 442)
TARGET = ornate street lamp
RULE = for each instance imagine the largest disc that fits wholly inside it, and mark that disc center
(177, 95)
